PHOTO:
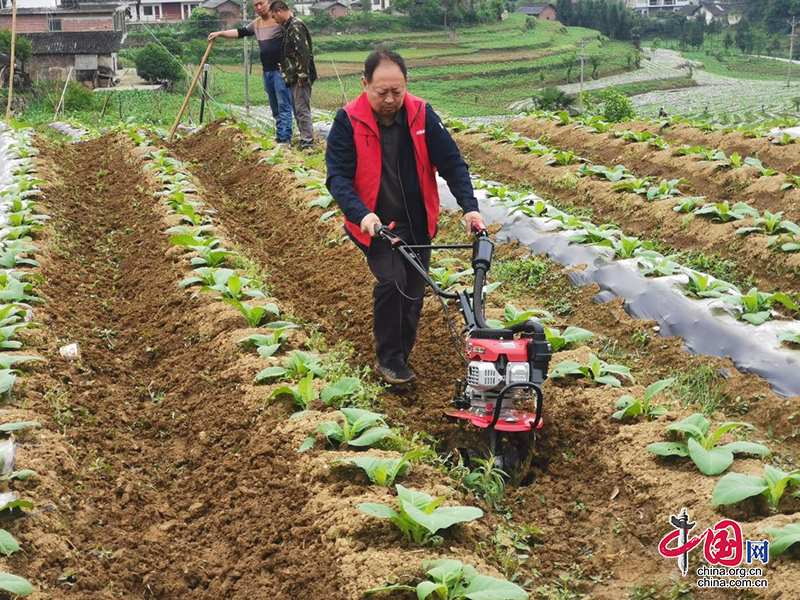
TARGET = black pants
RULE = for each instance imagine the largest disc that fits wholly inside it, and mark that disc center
(397, 302)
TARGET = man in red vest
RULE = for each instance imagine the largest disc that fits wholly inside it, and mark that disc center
(383, 153)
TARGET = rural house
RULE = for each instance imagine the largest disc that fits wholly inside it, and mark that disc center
(229, 12)
(82, 36)
(336, 9)
(163, 11)
(543, 12)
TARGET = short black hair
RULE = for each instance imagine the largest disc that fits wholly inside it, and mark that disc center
(380, 55)
(278, 5)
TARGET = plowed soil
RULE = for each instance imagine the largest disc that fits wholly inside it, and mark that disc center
(583, 478)
(167, 477)
(634, 214)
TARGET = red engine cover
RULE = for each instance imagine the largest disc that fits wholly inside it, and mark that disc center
(491, 350)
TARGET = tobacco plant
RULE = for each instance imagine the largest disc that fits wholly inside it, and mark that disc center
(783, 140)
(268, 344)
(790, 337)
(701, 285)
(360, 428)
(254, 315)
(13, 252)
(382, 471)
(454, 580)
(560, 340)
(724, 212)
(735, 487)
(618, 173)
(563, 158)
(756, 307)
(701, 444)
(792, 181)
(631, 407)
(596, 371)
(302, 394)
(783, 538)
(299, 364)
(765, 172)
(634, 186)
(770, 224)
(514, 316)
(665, 190)
(594, 234)
(651, 263)
(420, 515)
(17, 287)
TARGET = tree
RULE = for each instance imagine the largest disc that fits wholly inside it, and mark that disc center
(728, 41)
(201, 22)
(553, 99)
(595, 61)
(695, 36)
(23, 49)
(155, 65)
(744, 36)
(571, 60)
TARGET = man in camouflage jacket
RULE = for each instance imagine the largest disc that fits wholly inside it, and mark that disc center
(299, 70)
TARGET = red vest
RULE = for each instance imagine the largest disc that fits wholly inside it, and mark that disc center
(367, 181)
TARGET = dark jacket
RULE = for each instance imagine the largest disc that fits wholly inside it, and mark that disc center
(298, 54)
(341, 160)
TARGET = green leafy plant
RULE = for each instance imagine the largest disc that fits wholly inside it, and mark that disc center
(420, 515)
(563, 158)
(514, 316)
(751, 161)
(627, 247)
(687, 205)
(783, 538)
(302, 394)
(8, 332)
(382, 471)
(596, 371)
(665, 190)
(701, 285)
(454, 580)
(756, 307)
(712, 155)
(770, 224)
(735, 487)
(792, 181)
(618, 173)
(701, 444)
(783, 140)
(689, 150)
(447, 278)
(560, 340)
(340, 390)
(724, 212)
(298, 365)
(268, 344)
(14, 584)
(631, 407)
(486, 481)
(634, 186)
(254, 315)
(653, 263)
(790, 337)
(360, 429)
(595, 235)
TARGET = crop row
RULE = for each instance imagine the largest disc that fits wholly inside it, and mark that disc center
(699, 443)
(20, 222)
(301, 380)
(754, 307)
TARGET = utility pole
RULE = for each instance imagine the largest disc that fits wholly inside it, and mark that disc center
(246, 62)
(791, 52)
(12, 61)
(582, 58)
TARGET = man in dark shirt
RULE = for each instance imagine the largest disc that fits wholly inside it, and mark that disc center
(383, 152)
(270, 44)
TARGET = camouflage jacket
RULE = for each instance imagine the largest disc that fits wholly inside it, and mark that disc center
(298, 53)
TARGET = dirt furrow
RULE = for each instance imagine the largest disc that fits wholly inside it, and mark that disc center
(590, 473)
(181, 492)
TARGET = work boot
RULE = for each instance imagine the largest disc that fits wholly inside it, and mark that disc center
(400, 376)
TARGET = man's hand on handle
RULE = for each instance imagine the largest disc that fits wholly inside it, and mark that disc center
(472, 218)
(370, 224)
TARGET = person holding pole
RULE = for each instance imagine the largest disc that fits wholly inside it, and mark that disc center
(270, 44)
(299, 70)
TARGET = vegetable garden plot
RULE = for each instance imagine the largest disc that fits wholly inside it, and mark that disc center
(579, 469)
(635, 213)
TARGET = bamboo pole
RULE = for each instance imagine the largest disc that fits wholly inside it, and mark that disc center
(191, 89)
(13, 58)
(63, 93)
